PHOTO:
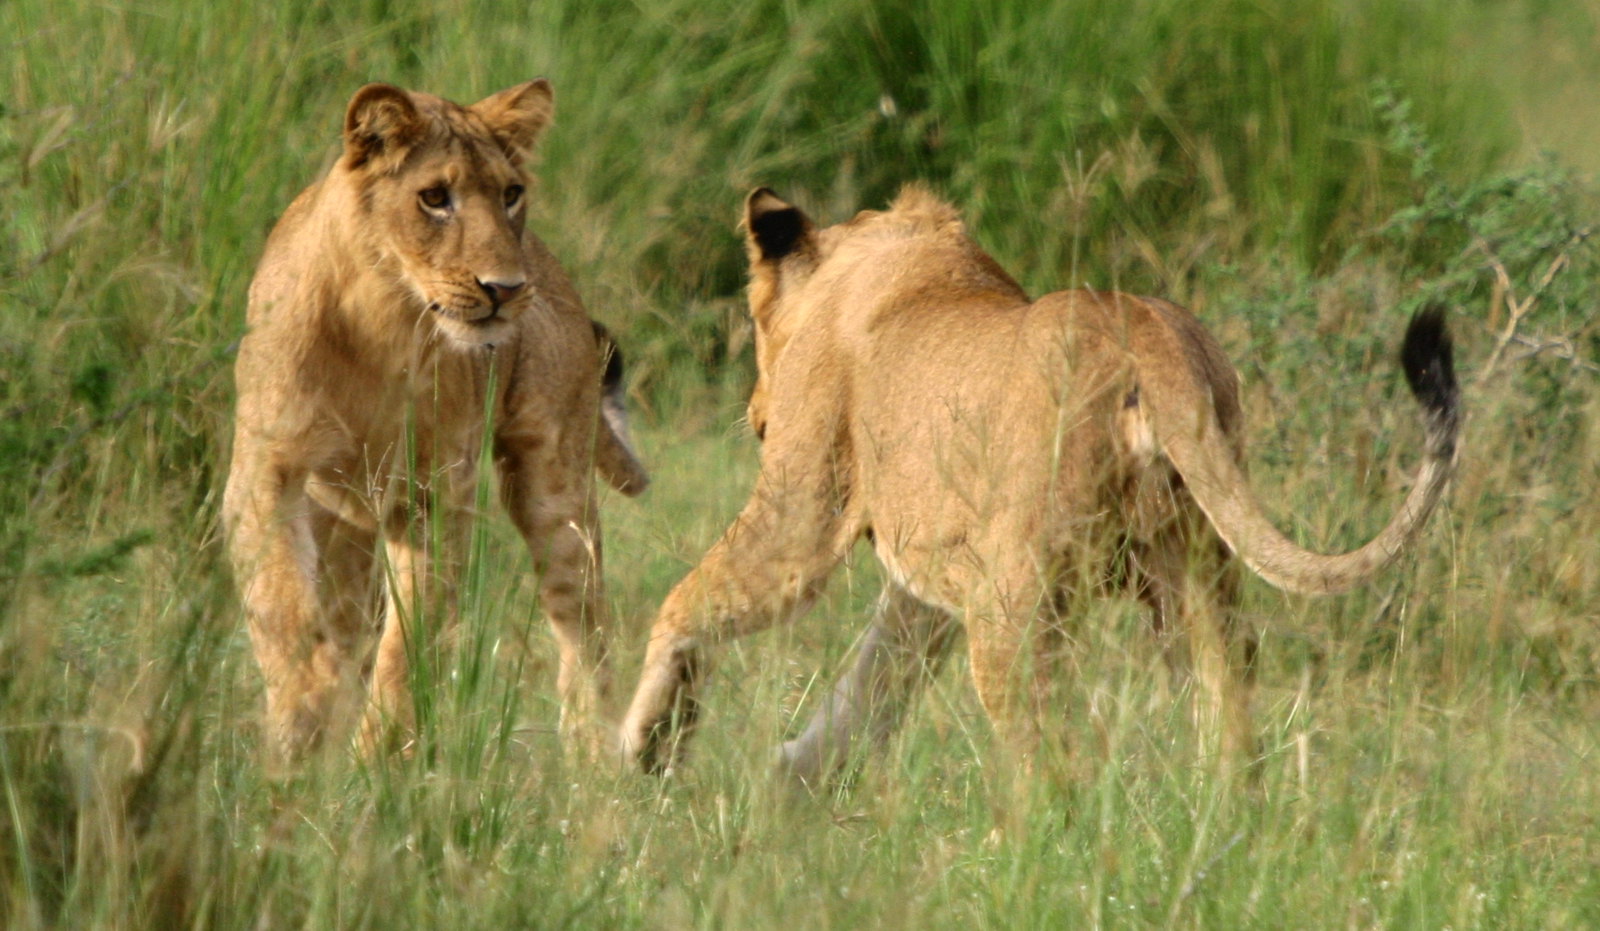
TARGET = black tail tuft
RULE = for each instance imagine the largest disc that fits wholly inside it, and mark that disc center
(1428, 359)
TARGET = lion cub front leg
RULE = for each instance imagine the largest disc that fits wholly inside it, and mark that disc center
(305, 665)
(414, 595)
(905, 646)
(390, 718)
(767, 568)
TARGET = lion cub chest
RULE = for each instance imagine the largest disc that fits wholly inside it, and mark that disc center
(418, 443)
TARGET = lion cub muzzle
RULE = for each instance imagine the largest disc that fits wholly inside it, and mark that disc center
(502, 300)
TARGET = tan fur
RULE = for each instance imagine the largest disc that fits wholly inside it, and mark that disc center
(1003, 455)
(393, 295)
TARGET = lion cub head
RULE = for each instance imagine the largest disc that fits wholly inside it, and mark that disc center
(439, 202)
(788, 253)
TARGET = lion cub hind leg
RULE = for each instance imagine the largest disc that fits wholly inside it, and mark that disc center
(1191, 582)
(1009, 630)
(553, 506)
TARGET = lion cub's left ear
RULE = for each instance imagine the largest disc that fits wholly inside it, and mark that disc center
(517, 115)
(776, 227)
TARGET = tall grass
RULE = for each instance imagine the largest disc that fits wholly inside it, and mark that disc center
(1302, 173)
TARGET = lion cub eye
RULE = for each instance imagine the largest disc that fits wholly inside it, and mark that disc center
(435, 198)
(513, 195)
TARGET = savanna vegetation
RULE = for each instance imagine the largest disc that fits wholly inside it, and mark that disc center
(1304, 174)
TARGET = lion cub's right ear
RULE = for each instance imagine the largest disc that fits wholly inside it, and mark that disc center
(380, 125)
(518, 115)
(776, 228)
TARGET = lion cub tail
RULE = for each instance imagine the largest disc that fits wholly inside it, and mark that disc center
(614, 456)
(1194, 442)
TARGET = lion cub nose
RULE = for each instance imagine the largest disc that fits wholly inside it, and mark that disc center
(501, 291)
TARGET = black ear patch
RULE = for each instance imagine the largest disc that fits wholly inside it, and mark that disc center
(777, 232)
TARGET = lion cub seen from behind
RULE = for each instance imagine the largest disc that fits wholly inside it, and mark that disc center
(1004, 457)
(394, 296)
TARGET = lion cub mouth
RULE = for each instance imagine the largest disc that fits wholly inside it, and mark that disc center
(487, 329)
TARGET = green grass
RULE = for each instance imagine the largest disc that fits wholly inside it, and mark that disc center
(1303, 174)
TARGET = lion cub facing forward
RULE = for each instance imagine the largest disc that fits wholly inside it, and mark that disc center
(401, 324)
(1003, 456)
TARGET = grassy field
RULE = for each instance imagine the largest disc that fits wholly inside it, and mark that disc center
(1304, 174)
